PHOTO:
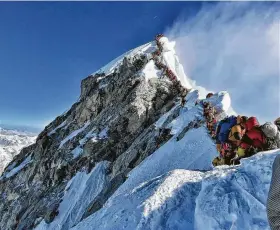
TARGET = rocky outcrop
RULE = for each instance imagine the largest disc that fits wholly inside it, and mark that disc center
(112, 121)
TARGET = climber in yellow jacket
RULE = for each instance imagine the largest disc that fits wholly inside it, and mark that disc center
(236, 133)
(231, 142)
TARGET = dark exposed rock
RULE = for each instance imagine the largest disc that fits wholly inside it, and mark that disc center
(51, 213)
(124, 104)
(191, 125)
(164, 136)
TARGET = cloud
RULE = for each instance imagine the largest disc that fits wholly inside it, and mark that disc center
(234, 46)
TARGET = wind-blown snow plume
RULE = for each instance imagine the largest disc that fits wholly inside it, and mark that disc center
(234, 47)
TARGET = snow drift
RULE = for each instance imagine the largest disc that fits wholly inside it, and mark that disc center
(222, 198)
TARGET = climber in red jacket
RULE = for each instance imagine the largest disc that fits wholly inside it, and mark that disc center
(253, 138)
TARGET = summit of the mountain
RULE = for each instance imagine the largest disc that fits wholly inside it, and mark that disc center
(107, 164)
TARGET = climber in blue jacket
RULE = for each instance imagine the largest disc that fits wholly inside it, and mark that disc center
(223, 129)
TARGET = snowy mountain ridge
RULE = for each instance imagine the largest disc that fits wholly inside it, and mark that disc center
(180, 190)
(106, 164)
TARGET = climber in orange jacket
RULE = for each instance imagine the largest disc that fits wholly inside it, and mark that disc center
(236, 133)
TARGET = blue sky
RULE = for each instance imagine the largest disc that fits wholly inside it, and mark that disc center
(48, 47)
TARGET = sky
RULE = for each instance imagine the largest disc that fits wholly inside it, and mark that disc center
(47, 48)
(235, 47)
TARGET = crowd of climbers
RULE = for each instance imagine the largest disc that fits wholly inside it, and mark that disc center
(239, 136)
(236, 136)
(156, 57)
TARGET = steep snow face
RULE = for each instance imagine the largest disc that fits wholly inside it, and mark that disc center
(73, 134)
(145, 197)
(168, 189)
(195, 151)
(235, 197)
(223, 198)
(169, 58)
(161, 203)
(11, 142)
(177, 188)
(112, 66)
(80, 191)
(14, 170)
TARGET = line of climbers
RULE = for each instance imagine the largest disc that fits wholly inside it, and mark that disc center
(240, 136)
(168, 72)
(211, 116)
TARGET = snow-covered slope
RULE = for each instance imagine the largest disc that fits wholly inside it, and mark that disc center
(177, 188)
(113, 65)
(80, 191)
(106, 163)
(222, 198)
(11, 142)
(168, 58)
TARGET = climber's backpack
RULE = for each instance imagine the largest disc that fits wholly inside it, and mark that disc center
(224, 127)
(269, 131)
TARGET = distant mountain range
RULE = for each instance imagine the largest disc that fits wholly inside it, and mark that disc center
(22, 128)
(11, 142)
